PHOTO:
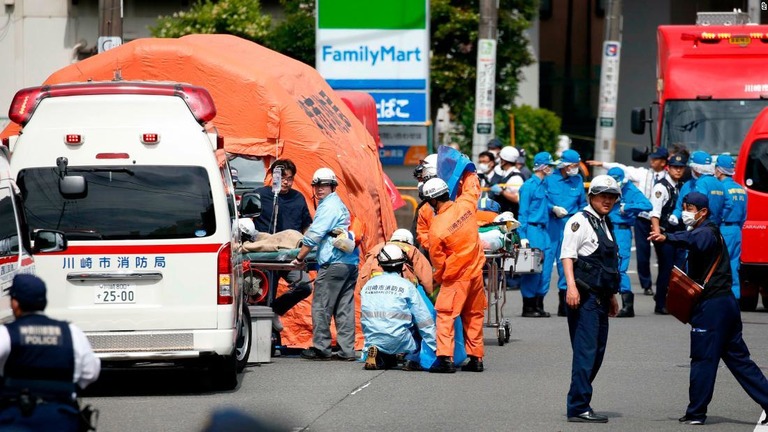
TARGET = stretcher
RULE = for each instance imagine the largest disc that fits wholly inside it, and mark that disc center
(498, 264)
(263, 266)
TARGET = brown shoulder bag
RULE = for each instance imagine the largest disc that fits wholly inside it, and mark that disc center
(684, 292)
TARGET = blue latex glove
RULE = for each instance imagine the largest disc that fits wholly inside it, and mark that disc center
(496, 189)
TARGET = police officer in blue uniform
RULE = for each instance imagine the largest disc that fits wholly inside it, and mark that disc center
(703, 180)
(734, 215)
(663, 200)
(716, 327)
(533, 218)
(623, 218)
(565, 191)
(591, 265)
(44, 363)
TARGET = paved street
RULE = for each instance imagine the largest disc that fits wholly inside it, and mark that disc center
(642, 386)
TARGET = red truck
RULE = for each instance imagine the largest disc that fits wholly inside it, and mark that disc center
(712, 82)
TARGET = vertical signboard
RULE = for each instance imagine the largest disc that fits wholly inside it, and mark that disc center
(380, 47)
(485, 94)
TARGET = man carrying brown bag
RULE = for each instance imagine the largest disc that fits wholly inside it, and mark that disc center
(716, 328)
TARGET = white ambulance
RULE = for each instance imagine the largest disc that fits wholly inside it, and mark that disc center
(130, 175)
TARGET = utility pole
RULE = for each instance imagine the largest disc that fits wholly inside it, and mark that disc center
(605, 136)
(110, 24)
(485, 87)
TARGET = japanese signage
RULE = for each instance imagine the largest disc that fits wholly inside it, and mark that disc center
(110, 262)
(378, 46)
(403, 145)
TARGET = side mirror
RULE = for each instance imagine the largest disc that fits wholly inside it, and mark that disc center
(73, 187)
(250, 205)
(639, 154)
(48, 241)
(638, 121)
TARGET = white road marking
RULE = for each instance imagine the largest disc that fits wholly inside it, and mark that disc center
(360, 388)
(760, 427)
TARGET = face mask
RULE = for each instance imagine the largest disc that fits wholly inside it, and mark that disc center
(547, 171)
(572, 171)
(483, 168)
(689, 218)
(694, 174)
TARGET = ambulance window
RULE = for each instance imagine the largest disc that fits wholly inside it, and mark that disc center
(123, 203)
(9, 236)
(756, 171)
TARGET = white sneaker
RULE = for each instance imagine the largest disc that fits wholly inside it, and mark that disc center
(276, 323)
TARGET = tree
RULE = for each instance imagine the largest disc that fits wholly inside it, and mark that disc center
(241, 18)
(295, 35)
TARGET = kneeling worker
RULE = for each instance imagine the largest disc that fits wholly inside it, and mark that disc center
(390, 307)
(44, 363)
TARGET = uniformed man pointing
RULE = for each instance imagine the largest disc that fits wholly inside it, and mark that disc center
(590, 257)
(44, 363)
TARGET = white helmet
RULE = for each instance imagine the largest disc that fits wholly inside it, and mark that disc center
(247, 228)
(390, 256)
(324, 176)
(431, 160)
(402, 235)
(428, 172)
(509, 154)
(508, 219)
(433, 188)
(604, 184)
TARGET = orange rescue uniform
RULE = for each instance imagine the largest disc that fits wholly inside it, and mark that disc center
(458, 259)
(417, 269)
(423, 221)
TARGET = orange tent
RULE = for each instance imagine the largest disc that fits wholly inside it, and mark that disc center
(268, 105)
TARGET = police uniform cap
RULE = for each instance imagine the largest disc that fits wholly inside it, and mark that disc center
(29, 291)
(660, 153)
(678, 160)
(697, 199)
(494, 144)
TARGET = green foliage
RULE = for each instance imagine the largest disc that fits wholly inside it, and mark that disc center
(536, 129)
(295, 35)
(241, 18)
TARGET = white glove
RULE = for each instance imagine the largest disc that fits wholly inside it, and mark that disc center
(672, 219)
(621, 209)
(524, 243)
(559, 211)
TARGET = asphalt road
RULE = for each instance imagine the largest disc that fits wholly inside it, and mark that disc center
(643, 385)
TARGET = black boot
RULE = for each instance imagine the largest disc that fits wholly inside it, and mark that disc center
(562, 305)
(473, 365)
(529, 308)
(628, 305)
(443, 364)
(540, 307)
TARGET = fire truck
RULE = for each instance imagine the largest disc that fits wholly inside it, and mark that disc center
(711, 83)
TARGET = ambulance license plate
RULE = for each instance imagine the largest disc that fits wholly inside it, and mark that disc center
(112, 293)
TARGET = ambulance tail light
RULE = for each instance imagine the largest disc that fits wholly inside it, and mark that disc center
(224, 276)
(150, 138)
(73, 139)
(198, 99)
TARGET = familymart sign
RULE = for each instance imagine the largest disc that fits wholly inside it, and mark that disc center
(379, 46)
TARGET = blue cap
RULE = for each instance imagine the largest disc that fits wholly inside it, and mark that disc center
(697, 199)
(543, 158)
(700, 157)
(29, 291)
(617, 174)
(678, 160)
(570, 157)
(726, 161)
(495, 144)
(660, 153)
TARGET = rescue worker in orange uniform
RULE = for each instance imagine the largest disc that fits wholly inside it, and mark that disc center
(417, 268)
(458, 259)
(426, 170)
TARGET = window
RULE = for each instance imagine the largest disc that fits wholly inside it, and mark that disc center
(9, 235)
(756, 171)
(122, 203)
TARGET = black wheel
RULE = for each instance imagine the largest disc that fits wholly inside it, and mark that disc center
(750, 294)
(765, 300)
(501, 336)
(507, 331)
(243, 346)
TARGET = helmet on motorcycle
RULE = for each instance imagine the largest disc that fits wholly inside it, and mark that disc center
(402, 235)
(391, 258)
(324, 176)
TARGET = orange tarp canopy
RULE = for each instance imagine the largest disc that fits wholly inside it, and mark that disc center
(268, 105)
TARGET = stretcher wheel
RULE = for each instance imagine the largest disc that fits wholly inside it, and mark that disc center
(501, 336)
(507, 330)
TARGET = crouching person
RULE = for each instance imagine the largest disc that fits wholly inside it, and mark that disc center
(390, 309)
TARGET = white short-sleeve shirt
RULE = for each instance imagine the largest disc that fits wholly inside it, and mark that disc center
(660, 196)
(579, 238)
